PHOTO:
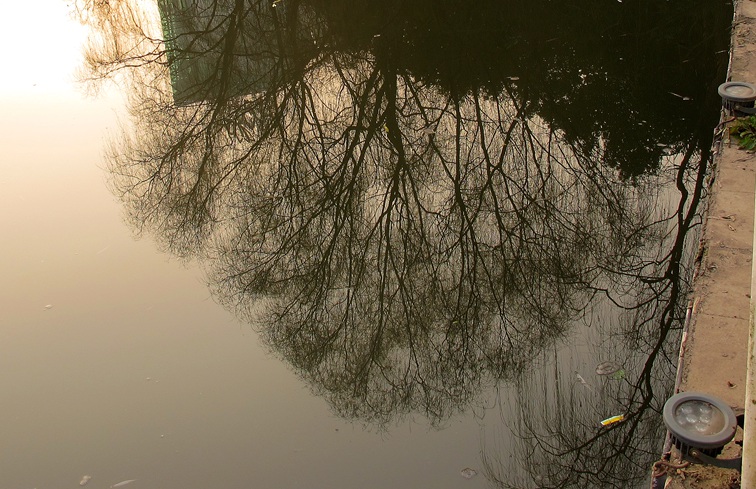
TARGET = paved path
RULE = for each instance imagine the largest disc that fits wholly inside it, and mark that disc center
(715, 357)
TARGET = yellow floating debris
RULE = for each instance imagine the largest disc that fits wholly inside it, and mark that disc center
(613, 419)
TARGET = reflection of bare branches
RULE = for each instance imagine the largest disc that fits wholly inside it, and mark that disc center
(411, 245)
(122, 36)
(567, 448)
(403, 245)
(417, 244)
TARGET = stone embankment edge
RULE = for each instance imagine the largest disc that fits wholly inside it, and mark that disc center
(718, 348)
(741, 53)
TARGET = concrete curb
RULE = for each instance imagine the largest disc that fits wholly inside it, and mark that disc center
(748, 470)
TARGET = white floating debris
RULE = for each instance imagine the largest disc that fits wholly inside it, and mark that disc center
(123, 483)
(468, 473)
(48, 307)
(582, 380)
(84, 480)
(680, 96)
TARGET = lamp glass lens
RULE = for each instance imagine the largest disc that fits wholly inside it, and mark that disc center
(700, 417)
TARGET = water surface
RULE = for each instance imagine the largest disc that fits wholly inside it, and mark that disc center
(379, 245)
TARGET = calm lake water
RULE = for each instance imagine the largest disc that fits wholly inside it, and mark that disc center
(326, 244)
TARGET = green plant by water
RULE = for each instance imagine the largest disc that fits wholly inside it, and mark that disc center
(745, 130)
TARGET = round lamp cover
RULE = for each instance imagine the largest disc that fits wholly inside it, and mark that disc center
(700, 420)
(737, 91)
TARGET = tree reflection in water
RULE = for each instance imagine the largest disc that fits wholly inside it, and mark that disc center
(414, 203)
(564, 445)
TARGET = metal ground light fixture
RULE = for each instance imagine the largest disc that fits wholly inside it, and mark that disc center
(738, 96)
(699, 422)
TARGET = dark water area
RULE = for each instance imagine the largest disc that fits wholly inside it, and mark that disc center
(446, 240)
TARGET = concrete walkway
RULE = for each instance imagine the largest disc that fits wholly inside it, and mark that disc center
(715, 356)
